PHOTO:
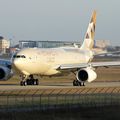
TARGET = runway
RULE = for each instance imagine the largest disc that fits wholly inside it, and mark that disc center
(47, 85)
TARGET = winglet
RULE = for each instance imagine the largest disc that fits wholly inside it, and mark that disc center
(89, 36)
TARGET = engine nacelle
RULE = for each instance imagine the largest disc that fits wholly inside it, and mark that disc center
(86, 74)
(5, 73)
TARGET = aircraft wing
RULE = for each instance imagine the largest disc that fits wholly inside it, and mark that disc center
(84, 65)
(106, 53)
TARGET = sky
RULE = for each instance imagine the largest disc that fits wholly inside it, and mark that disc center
(65, 20)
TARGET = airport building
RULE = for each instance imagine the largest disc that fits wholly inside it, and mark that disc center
(52, 44)
(27, 44)
(4, 45)
(44, 44)
(102, 43)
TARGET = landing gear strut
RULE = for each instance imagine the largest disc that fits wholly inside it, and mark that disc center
(78, 83)
(28, 81)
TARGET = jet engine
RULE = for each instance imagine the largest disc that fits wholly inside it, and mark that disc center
(86, 74)
(5, 73)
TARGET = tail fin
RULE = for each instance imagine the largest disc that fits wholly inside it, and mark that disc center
(89, 36)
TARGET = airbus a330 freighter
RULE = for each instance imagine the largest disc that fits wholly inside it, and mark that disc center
(52, 61)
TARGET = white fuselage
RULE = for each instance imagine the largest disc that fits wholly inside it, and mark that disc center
(44, 61)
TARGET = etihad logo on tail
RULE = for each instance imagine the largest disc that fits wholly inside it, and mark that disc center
(89, 36)
(91, 28)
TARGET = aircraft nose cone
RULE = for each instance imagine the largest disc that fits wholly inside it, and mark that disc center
(16, 63)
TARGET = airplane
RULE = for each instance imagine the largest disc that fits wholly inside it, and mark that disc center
(29, 62)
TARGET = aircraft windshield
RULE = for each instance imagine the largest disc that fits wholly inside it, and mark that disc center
(19, 56)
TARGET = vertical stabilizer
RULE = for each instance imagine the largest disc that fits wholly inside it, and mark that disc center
(88, 42)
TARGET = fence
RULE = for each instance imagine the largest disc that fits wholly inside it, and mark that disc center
(44, 99)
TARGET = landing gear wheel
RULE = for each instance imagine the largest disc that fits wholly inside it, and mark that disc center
(21, 83)
(24, 83)
(76, 83)
(83, 84)
(32, 82)
(36, 82)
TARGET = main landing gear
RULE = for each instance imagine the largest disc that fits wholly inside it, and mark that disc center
(28, 81)
(78, 83)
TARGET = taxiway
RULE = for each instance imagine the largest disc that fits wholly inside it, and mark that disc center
(47, 85)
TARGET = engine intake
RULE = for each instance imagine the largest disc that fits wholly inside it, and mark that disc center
(5, 73)
(2, 73)
(86, 74)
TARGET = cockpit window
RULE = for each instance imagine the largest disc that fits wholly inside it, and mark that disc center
(19, 56)
(22, 56)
